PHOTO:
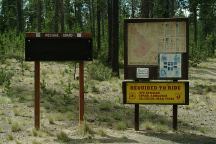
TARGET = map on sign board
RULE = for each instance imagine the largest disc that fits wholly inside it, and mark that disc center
(146, 40)
(170, 65)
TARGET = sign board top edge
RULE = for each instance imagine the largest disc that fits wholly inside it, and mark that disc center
(58, 35)
(137, 20)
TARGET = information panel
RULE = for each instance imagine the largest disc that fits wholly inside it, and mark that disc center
(156, 93)
(146, 39)
(58, 47)
(170, 65)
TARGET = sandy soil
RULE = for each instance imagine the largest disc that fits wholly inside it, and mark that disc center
(59, 109)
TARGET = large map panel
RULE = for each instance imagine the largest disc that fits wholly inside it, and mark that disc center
(146, 40)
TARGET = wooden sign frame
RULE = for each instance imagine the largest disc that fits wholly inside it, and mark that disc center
(58, 47)
(130, 70)
(30, 56)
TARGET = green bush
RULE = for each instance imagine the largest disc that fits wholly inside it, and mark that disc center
(5, 76)
(121, 125)
(99, 72)
(16, 127)
(11, 45)
(63, 137)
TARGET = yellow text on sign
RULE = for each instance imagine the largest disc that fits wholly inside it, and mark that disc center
(155, 93)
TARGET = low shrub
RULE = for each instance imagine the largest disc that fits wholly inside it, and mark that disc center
(100, 72)
(5, 76)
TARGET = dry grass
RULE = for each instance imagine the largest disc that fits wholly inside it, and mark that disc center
(103, 107)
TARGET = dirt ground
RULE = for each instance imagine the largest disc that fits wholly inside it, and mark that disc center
(107, 120)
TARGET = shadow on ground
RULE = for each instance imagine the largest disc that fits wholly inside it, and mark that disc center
(107, 139)
(184, 138)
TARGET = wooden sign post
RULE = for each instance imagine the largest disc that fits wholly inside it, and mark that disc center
(156, 49)
(81, 83)
(175, 117)
(136, 117)
(58, 47)
(37, 95)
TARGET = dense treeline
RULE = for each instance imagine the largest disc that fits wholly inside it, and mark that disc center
(104, 18)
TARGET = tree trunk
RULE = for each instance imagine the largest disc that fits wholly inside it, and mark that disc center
(115, 36)
(166, 9)
(19, 4)
(145, 8)
(103, 25)
(39, 15)
(169, 8)
(110, 29)
(56, 16)
(62, 15)
(172, 8)
(90, 15)
(93, 19)
(195, 26)
(132, 8)
(98, 28)
(78, 13)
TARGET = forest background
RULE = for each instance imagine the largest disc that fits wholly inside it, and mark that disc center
(104, 19)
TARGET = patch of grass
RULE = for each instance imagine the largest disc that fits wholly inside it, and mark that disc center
(87, 87)
(9, 120)
(69, 115)
(36, 142)
(162, 121)
(23, 98)
(105, 106)
(95, 101)
(85, 129)
(17, 111)
(16, 127)
(38, 133)
(95, 88)
(203, 130)
(117, 115)
(121, 125)
(155, 127)
(1, 112)
(68, 89)
(1, 130)
(5, 76)
(161, 128)
(43, 86)
(190, 106)
(63, 137)
(58, 116)
(51, 120)
(18, 142)
(148, 125)
(10, 137)
(35, 132)
(102, 118)
(4, 100)
(101, 132)
(98, 71)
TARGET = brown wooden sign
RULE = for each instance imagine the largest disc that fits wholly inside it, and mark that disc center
(156, 48)
(58, 47)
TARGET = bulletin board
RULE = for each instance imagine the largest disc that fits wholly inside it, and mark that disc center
(148, 40)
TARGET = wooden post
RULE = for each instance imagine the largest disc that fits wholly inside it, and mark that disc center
(81, 83)
(136, 117)
(175, 114)
(175, 117)
(37, 95)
